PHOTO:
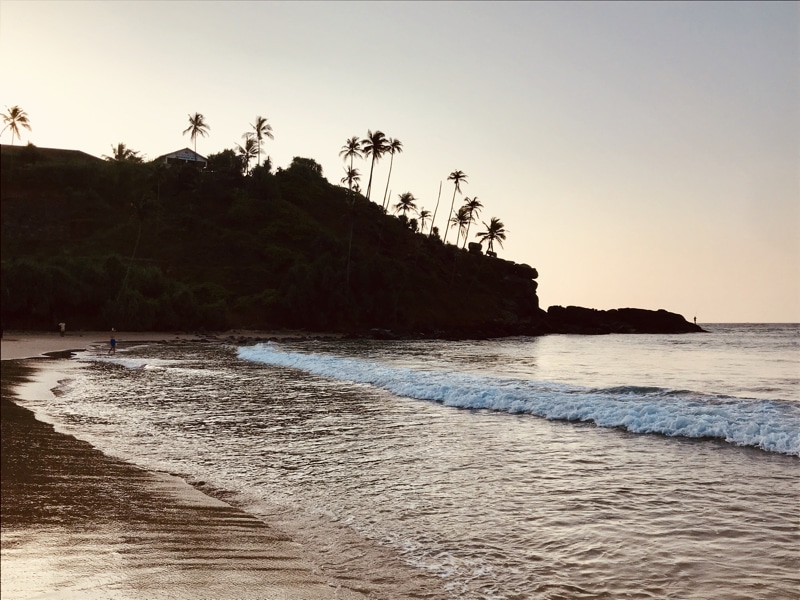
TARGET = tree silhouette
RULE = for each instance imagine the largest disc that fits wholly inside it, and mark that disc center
(495, 230)
(374, 145)
(261, 129)
(460, 220)
(351, 149)
(456, 177)
(15, 118)
(406, 203)
(247, 152)
(197, 126)
(351, 177)
(121, 153)
(424, 217)
(394, 147)
(474, 207)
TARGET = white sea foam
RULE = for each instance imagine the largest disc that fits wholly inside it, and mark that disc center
(773, 426)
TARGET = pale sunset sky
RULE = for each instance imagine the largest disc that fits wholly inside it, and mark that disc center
(640, 154)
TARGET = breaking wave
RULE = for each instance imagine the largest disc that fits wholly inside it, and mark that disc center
(770, 425)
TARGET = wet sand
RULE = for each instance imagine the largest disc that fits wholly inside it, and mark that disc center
(79, 524)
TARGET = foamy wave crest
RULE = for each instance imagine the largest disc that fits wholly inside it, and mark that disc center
(769, 425)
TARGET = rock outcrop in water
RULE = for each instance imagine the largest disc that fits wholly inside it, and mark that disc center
(576, 319)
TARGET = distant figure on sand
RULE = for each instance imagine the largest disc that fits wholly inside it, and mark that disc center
(63, 328)
(113, 343)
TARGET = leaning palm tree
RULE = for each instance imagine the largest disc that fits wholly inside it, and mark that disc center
(123, 154)
(374, 145)
(424, 217)
(248, 151)
(495, 230)
(474, 207)
(261, 129)
(406, 203)
(14, 118)
(351, 149)
(456, 177)
(460, 220)
(197, 126)
(394, 147)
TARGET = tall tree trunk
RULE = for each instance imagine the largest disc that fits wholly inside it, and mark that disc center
(391, 161)
(369, 184)
(447, 223)
(433, 220)
(467, 234)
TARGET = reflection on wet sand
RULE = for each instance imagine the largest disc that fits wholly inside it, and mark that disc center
(78, 524)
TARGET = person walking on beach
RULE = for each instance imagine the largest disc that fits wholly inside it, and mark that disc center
(63, 327)
(113, 342)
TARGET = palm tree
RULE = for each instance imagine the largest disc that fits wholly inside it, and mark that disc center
(474, 207)
(456, 177)
(495, 230)
(424, 217)
(248, 151)
(407, 203)
(351, 177)
(261, 128)
(394, 147)
(460, 220)
(123, 154)
(13, 119)
(351, 149)
(197, 126)
(374, 145)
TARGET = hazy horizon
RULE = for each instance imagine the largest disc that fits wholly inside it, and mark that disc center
(639, 154)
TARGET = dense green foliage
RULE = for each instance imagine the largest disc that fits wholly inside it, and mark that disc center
(145, 246)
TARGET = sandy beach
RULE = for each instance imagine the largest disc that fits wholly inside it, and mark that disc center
(79, 524)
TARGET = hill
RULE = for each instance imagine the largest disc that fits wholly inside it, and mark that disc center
(155, 247)
(149, 246)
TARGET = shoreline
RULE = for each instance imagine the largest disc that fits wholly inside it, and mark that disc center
(16, 345)
(78, 523)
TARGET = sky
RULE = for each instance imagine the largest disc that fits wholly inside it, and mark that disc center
(642, 154)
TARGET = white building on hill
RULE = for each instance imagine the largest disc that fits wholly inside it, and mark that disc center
(187, 156)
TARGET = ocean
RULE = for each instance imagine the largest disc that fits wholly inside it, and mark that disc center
(616, 466)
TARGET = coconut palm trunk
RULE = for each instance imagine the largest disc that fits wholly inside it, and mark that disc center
(395, 147)
(456, 177)
(436, 208)
(375, 144)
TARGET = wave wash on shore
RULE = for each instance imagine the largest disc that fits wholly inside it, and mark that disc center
(770, 425)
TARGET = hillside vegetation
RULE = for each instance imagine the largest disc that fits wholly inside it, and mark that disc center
(145, 246)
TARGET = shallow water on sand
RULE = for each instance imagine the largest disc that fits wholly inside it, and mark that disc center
(360, 450)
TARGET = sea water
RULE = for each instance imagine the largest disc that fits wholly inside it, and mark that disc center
(618, 466)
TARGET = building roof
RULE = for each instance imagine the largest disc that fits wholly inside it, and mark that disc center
(37, 154)
(185, 155)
